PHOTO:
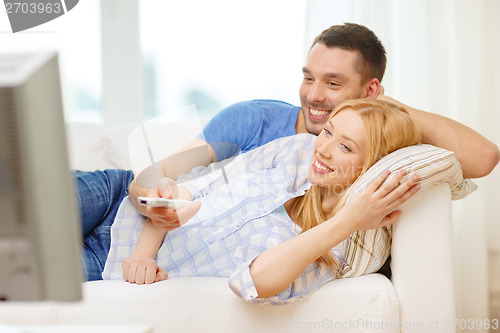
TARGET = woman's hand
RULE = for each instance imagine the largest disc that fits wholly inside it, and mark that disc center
(142, 270)
(376, 206)
(166, 218)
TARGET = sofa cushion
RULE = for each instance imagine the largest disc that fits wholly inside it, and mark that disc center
(206, 304)
(158, 138)
(117, 152)
(87, 144)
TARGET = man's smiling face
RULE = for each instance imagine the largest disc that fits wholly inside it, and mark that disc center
(330, 77)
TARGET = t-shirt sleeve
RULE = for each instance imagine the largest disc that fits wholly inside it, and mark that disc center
(232, 129)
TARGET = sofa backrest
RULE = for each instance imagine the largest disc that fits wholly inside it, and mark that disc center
(92, 146)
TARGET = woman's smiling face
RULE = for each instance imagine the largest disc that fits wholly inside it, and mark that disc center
(339, 152)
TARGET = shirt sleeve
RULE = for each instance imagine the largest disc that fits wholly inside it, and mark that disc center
(232, 129)
(294, 152)
(311, 279)
(362, 253)
(241, 282)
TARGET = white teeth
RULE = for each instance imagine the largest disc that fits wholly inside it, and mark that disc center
(321, 167)
(318, 113)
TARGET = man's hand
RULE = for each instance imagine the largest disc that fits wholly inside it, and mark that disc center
(142, 270)
(166, 218)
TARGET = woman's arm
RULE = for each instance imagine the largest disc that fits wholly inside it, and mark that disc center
(141, 266)
(276, 269)
(477, 155)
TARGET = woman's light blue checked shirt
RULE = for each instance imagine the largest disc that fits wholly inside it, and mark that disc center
(236, 223)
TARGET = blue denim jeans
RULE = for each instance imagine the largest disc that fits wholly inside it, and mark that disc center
(99, 195)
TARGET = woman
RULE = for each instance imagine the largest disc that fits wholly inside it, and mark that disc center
(281, 239)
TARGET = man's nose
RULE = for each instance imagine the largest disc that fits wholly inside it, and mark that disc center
(316, 93)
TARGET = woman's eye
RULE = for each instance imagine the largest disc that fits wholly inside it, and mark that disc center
(327, 132)
(345, 148)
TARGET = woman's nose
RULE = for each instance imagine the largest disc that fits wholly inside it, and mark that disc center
(325, 149)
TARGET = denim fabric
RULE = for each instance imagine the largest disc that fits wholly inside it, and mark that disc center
(99, 195)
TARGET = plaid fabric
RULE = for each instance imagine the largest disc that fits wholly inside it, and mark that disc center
(236, 223)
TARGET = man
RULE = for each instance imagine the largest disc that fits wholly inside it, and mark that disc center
(345, 62)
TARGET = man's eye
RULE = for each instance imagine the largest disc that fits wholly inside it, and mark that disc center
(334, 84)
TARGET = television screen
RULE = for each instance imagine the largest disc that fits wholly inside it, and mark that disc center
(40, 237)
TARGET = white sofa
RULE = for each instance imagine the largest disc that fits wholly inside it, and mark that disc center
(419, 297)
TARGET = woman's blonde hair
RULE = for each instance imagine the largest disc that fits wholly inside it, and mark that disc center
(388, 127)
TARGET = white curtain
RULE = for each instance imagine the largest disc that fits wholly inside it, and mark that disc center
(443, 57)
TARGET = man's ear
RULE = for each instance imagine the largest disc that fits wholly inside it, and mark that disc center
(372, 88)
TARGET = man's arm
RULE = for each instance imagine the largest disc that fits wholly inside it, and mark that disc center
(195, 153)
(477, 155)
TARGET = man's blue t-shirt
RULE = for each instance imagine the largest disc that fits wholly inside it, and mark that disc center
(247, 125)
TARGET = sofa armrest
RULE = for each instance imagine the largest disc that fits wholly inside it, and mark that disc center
(422, 262)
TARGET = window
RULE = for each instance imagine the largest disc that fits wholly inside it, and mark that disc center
(215, 53)
(76, 37)
(207, 53)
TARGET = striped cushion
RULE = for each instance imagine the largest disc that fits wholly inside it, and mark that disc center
(366, 251)
(431, 164)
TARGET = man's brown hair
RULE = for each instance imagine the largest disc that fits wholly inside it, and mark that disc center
(356, 37)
